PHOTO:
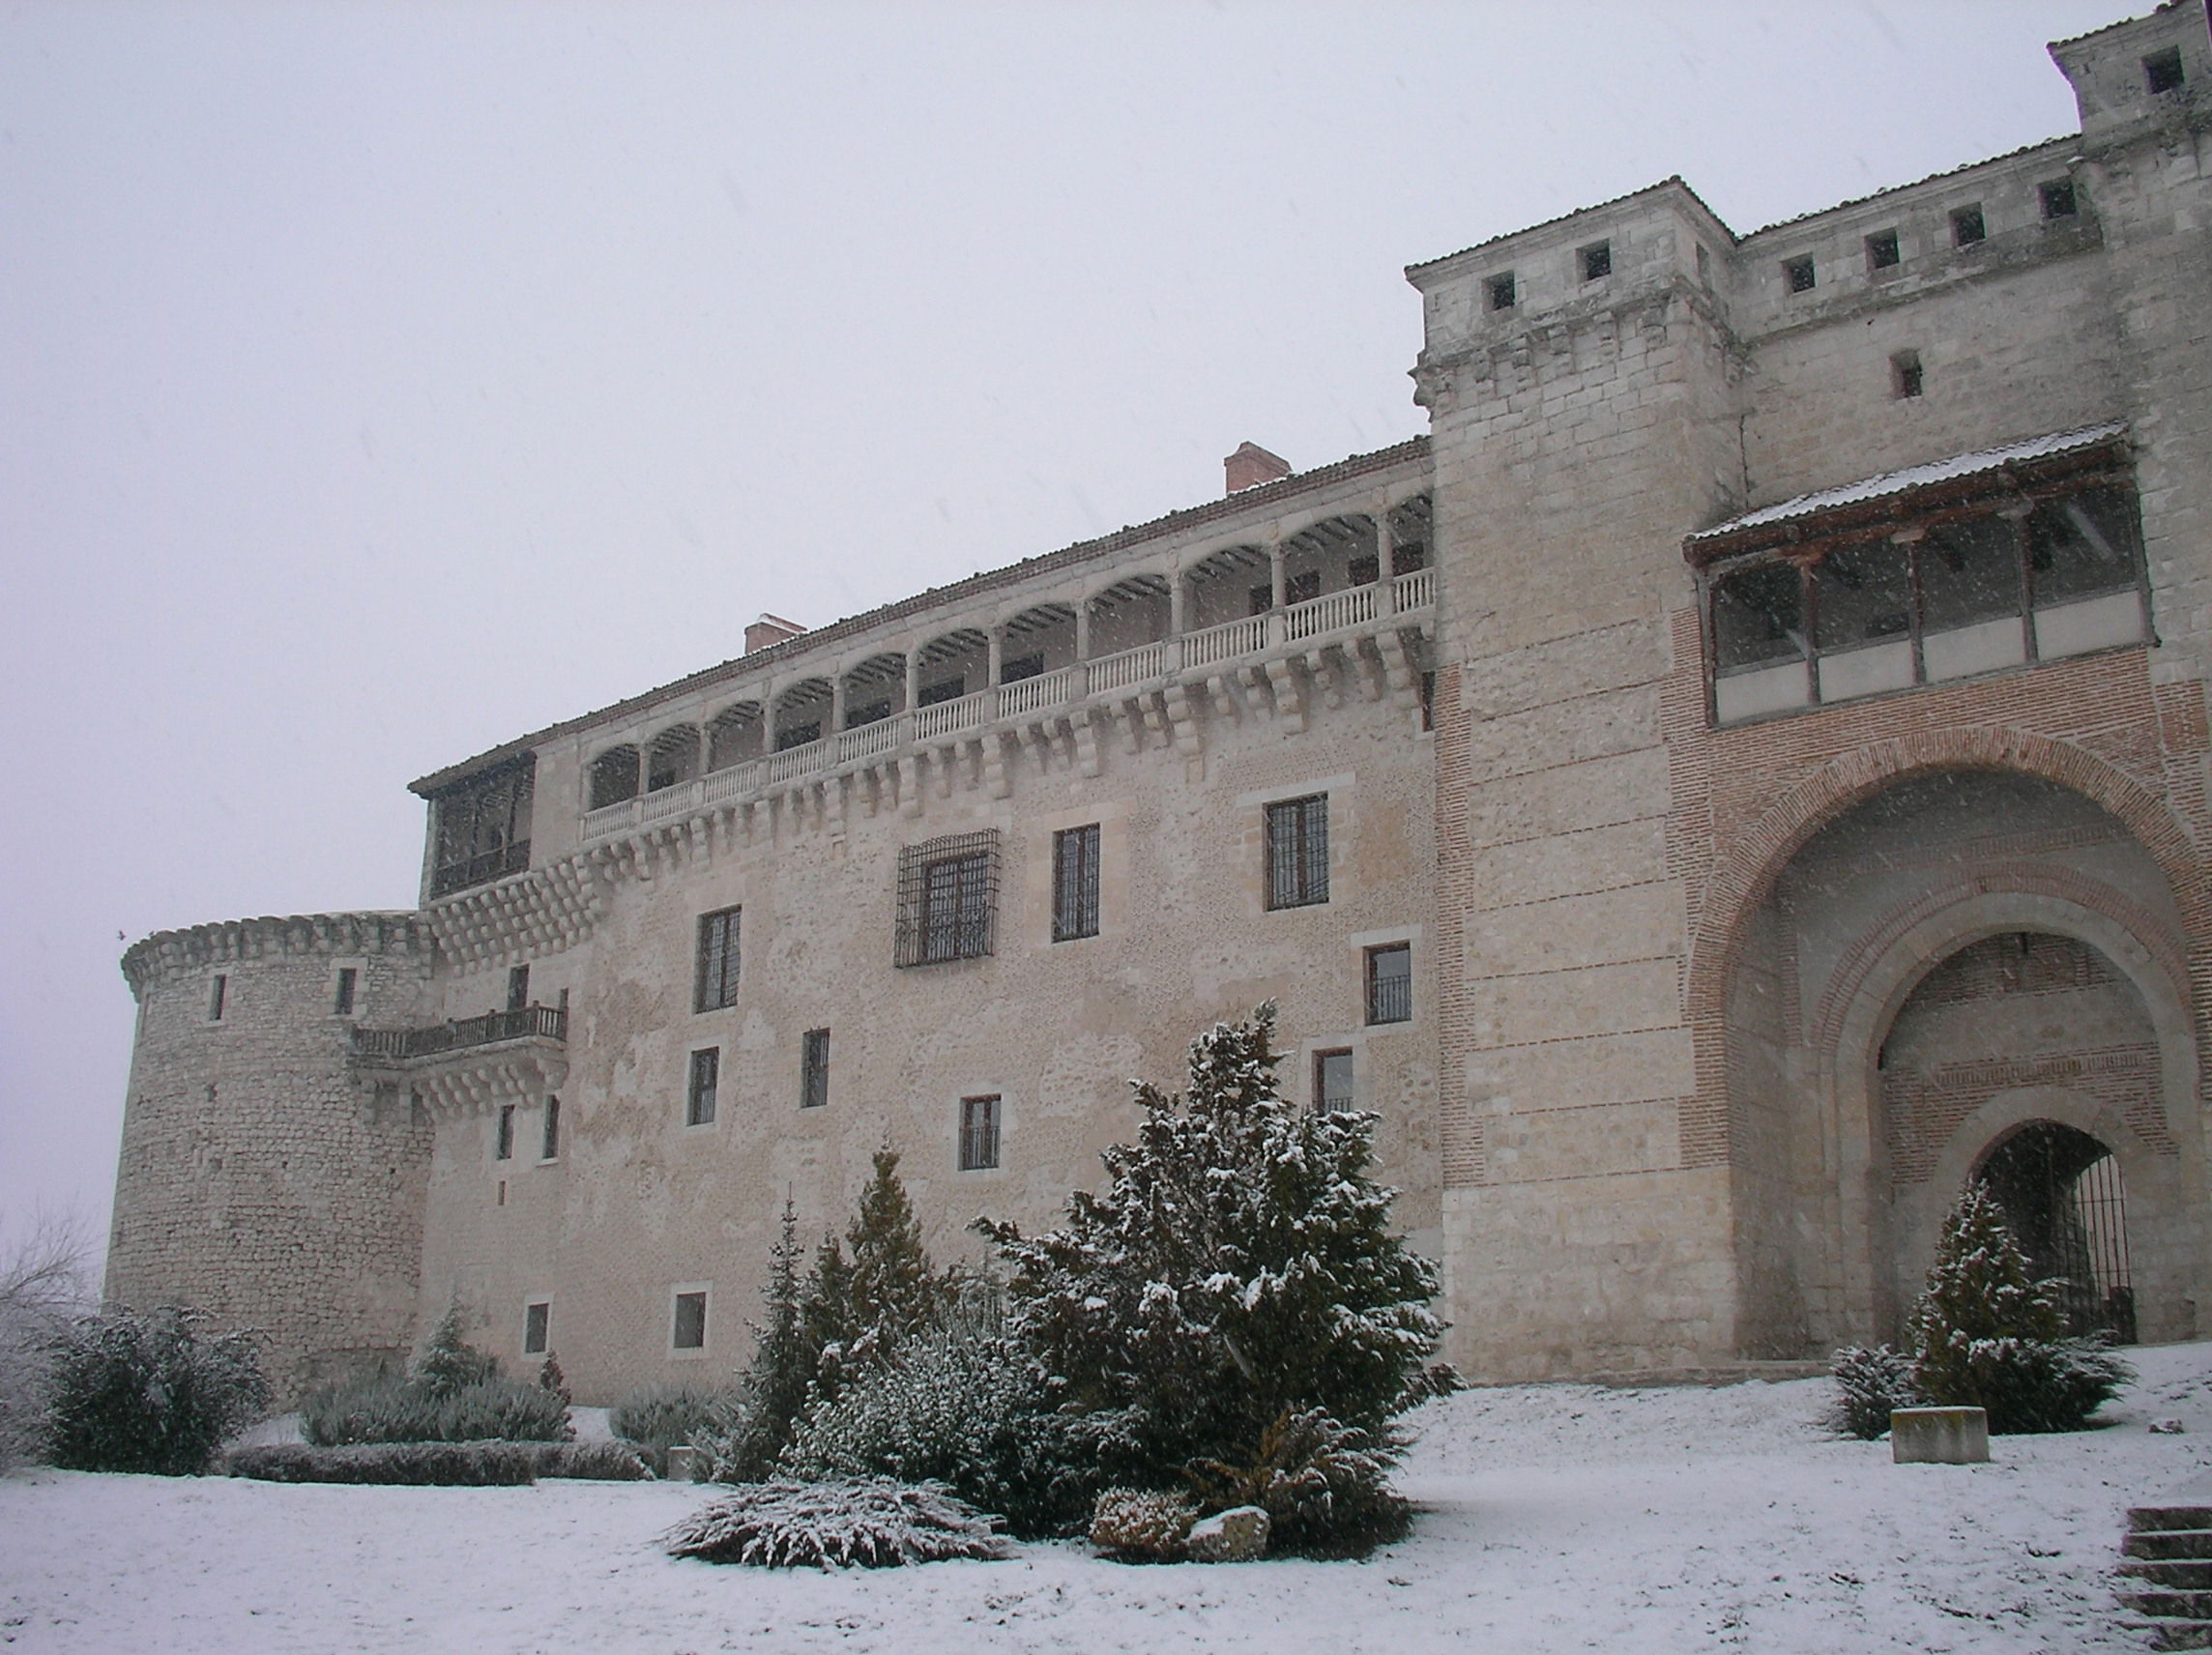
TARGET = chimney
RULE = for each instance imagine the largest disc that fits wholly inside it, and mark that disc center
(770, 629)
(1251, 465)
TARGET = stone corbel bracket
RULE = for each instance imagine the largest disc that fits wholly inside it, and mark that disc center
(454, 1086)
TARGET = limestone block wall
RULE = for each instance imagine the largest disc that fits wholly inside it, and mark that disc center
(257, 1182)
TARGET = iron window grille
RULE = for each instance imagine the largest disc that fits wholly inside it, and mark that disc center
(948, 899)
(1298, 852)
(1075, 884)
(814, 1069)
(1332, 1089)
(536, 1328)
(1390, 983)
(716, 976)
(978, 1133)
(706, 1080)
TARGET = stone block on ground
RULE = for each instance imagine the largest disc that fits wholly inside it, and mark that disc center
(1940, 1436)
(1237, 1535)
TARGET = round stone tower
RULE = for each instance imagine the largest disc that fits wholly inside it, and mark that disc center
(259, 1181)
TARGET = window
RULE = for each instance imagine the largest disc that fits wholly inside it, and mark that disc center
(614, 776)
(715, 981)
(1966, 227)
(1409, 556)
(1881, 251)
(1021, 667)
(1390, 983)
(1301, 587)
(549, 1130)
(1075, 884)
(2056, 198)
(688, 1330)
(978, 1133)
(1797, 273)
(1298, 852)
(814, 1069)
(1500, 292)
(948, 899)
(537, 1327)
(2162, 70)
(1596, 261)
(1904, 376)
(699, 1093)
(502, 1135)
(1332, 1079)
(219, 991)
(349, 979)
(1362, 572)
(482, 829)
(518, 987)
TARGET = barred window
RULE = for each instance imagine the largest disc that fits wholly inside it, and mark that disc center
(1298, 852)
(1332, 1079)
(948, 899)
(716, 980)
(1075, 884)
(814, 1069)
(537, 1327)
(1390, 983)
(978, 1133)
(706, 1079)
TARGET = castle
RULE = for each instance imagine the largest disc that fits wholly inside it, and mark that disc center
(1740, 775)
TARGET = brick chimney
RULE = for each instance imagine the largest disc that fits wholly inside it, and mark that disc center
(1251, 465)
(770, 629)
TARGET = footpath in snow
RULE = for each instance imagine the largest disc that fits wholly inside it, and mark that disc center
(1555, 1518)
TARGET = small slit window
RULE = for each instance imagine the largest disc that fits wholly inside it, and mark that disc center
(1501, 292)
(1596, 260)
(503, 1134)
(978, 1133)
(536, 1328)
(1881, 251)
(700, 1088)
(1967, 227)
(1797, 274)
(342, 1001)
(687, 1319)
(1906, 378)
(549, 1130)
(814, 1069)
(2056, 198)
(219, 993)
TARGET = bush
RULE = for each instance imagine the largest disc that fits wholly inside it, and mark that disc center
(449, 1363)
(593, 1462)
(405, 1410)
(662, 1417)
(1324, 1485)
(1870, 1384)
(867, 1522)
(130, 1392)
(1139, 1526)
(41, 1287)
(444, 1465)
(1986, 1334)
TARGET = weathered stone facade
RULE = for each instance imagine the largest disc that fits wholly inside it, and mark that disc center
(1765, 858)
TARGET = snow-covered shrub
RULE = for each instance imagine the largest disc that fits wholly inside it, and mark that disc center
(1986, 1334)
(1869, 1385)
(867, 1522)
(443, 1465)
(42, 1289)
(1324, 1485)
(132, 1392)
(1238, 1268)
(405, 1410)
(449, 1363)
(550, 1378)
(593, 1462)
(660, 1417)
(1141, 1526)
(867, 1298)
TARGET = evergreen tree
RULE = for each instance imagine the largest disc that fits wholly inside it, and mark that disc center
(449, 1364)
(868, 1297)
(131, 1392)
(1238, 1268)
(772, 1392)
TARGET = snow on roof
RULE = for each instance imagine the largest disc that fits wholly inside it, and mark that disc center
(1916, 476)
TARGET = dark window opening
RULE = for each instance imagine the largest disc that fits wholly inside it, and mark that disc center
(482, 828)
(1904, 376)
(689, 1332)
(1075, 884)
(1302, 588)
(1966, 227)
(1596, 261)
(518, 987)
(1409, 556)
(704, 1082)
(349, 979)
(1969, 573)
(943, 691)
(1798, 273)
(1881, 251)
(2058, 198)
(1863, 595)
(948, 899)
(1501, 292)
(1298, 852)
(2162, 70)
(1332, 1080)
(814, 1069)
(798, 735)
(1021, 667)
(1759, 617)
(1425, 686)
(1390, 983)
(715, 980)
(2083, 546)
(219, 991)
(1259, 599)
(503, 1137)
(614, 777)
(1362, 572)
(867, 712)
(978, 1133)
(536, 1328)
(549, 1131)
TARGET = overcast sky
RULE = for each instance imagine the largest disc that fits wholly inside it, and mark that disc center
(380, 382)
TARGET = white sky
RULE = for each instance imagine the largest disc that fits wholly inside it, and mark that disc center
(380, 382)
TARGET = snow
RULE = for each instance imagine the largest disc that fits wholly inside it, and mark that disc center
(1557, 1518)
(1916, 476)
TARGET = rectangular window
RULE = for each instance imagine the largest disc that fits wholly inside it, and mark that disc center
(715, 978)
(699, 1094)
(1967, 227)
(1501, 292)
(2162, 70)
(2056, 198)
(1596, 260)
(536, 1328)
(978, 1133)
(1298, 852)
(814, 1069)
(349, 979)
(502, 1135)
(1332, 1079)
(948, 899)
(1075, 884)
(689, 1322)
(549, 1131)
(1390, 983)
(1797, 274)
(219, 991)
(1905, 376)
(518, 987)
(1881, 251)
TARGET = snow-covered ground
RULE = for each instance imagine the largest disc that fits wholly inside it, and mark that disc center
(1557, 1518)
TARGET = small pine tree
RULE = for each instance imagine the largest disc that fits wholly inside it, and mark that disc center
(449, 1363)
(748, 1433)
(867, 1298)
(550, 1378)
(1987, 1334)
